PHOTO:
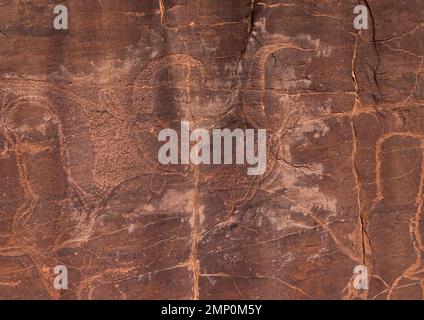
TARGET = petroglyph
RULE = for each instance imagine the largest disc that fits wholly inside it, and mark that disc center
(80, 113)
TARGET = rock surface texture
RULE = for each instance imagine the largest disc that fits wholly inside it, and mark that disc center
(81, 185)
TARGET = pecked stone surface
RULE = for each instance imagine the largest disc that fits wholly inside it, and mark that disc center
(81, 186)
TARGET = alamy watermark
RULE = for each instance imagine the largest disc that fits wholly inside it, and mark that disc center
(360, 282)
(60, 22)
(361, 20)
(61, 280)
(208, 149)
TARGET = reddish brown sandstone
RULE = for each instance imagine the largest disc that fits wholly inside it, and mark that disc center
(81, 186)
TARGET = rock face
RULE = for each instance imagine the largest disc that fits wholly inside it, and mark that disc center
(81, 185)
